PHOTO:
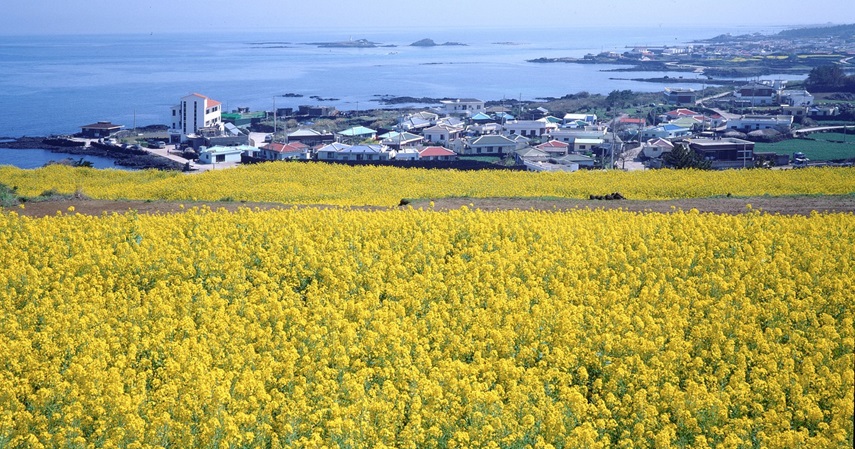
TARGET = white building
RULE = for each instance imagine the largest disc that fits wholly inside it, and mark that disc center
(569, 135)
(529, 128)
(329, 152)
(407, 154)
(590, 119)
(195, 112)
(748, 123)
(797, 97)
(757, 94)
(462, 106)
(220, 154)
(371, 152)
(655, 148)
(441, 133)
(490, 144)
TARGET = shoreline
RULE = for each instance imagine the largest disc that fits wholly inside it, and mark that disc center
(122, 158)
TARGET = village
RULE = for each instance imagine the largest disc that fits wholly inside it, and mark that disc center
(718, 131)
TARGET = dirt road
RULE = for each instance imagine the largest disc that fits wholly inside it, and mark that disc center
(797, 205)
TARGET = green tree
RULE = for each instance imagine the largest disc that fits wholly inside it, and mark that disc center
(618, 98)
(826, 78)
(684, 157)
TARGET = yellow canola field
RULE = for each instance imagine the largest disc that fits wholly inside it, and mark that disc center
(318, 183)
(420, 329)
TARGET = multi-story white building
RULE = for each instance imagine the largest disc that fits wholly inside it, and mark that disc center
(462, 106)
(757, 94)
(194, 113)
(530, 128)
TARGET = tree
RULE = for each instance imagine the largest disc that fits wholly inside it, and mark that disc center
(619, 98)
(684, 157)
(826, 78)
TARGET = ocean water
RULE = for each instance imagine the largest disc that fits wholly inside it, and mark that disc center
(55, 84)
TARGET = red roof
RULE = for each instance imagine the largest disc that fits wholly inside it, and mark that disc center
(293, 147)
(435, 151)
(640, 121)
(554, 144)
(682, 112)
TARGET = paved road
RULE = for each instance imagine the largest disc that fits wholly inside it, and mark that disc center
(821, 129)
(195, 167)
(630, 160)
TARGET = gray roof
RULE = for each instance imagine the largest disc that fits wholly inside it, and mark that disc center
(531, 152)
(578, 158)
(494, 139)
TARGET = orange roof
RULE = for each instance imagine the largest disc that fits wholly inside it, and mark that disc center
(210, 102)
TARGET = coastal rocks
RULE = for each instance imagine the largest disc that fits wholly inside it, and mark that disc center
(392, 100)
(27, 143)
(125, 157)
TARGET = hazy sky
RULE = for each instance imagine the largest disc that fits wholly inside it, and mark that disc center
(212, 16)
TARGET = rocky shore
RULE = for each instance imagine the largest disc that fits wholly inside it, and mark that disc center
(124, 157)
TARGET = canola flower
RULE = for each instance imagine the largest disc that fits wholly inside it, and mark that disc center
(413, 328)
(318, 183)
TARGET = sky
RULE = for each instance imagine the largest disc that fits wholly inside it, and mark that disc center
(46, 17)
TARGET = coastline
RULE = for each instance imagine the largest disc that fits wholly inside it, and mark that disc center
(121, 157)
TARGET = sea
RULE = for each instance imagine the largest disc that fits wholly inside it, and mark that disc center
(56, 84)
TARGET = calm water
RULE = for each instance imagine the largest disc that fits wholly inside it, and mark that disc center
(55, 84)
(35, 158)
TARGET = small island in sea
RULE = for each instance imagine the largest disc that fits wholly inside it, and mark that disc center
(359, 43)
(430, 43)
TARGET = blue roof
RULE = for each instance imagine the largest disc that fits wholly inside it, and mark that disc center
(358, 131)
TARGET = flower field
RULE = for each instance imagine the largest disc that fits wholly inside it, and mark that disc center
(317, 183)
(422, 329)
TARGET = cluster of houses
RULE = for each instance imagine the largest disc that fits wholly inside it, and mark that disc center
(461, 127)
(467, 127)
(760, 94)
